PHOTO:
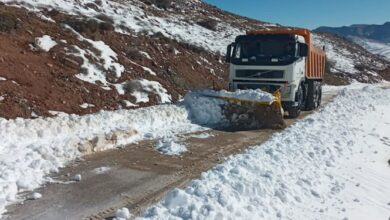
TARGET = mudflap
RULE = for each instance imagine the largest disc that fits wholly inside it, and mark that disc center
(246, 115)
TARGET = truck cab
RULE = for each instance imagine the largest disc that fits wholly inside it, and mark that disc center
(273, 61)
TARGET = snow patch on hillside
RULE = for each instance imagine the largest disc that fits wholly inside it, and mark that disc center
(45, 43)
(331, 165)
(340, 57)
(96, 65)
(141, 89)
(129, 16)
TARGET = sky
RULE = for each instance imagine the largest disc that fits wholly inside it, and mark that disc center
(310, 13)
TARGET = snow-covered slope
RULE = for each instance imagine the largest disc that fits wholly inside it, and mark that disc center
(374, 47)
(331, 165)
(129, 17)
(349, 60)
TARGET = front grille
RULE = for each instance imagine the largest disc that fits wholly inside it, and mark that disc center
(264, 74)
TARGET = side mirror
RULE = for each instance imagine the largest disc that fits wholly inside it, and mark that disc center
(228, 54)
(303, 50)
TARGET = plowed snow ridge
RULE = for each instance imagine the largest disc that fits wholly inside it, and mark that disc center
(41, 146)
(331, 165)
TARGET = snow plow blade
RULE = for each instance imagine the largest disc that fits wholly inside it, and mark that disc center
(249, 115)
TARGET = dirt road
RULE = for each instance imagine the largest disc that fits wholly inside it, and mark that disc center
(135, 176)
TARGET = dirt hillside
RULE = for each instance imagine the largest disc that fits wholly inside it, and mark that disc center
(108, 55)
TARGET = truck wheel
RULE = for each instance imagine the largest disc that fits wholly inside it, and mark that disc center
(319, 95)
(294, 112)
(313, 95)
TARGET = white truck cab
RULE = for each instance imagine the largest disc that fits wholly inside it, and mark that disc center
(271, 62)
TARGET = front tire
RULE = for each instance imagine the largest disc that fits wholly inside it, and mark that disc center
(295, 112)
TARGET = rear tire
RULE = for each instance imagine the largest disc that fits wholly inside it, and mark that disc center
(320, 96)
(314, 94)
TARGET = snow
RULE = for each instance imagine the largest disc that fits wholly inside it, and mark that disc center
(102, 62)
(86, 105)
(132, 17)
(35, 196)
(202, 136)
(129, 104)
(1, 98)
(101, 170)
(122, 214)
(92, 73)
(43, 17)
(3, 79)
(77, 178)
(330, 165)
(204, 110)
(248, 95)
(339, 56)
(143, 87)
(146, 55)
(108, 56)
(208, 111)
(43, 145)
(169, 146)
(373, 46)
(147, 69)
(45, 43)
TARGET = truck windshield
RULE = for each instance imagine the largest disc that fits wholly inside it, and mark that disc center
(265, 50)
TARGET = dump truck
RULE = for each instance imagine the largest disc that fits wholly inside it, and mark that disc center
(281, 61)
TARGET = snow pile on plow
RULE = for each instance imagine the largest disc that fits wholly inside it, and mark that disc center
(239, 110)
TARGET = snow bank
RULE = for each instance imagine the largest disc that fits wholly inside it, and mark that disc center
(331, 165)
(45, 43)
(41, 146)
